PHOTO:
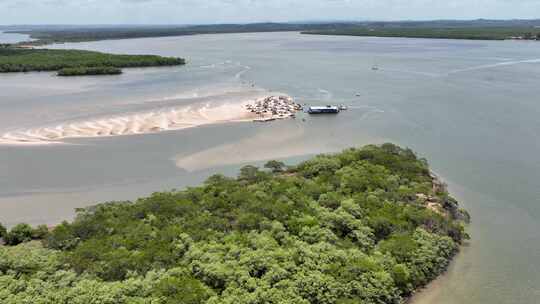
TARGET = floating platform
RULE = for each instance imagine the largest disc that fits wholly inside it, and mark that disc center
(323, 110)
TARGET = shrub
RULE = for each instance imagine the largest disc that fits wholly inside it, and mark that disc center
(19, 234)
(3, 231)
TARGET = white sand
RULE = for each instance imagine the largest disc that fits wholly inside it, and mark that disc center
(137, 123)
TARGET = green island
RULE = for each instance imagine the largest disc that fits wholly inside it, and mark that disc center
(470, 33)
(367, 225)
(75, 62)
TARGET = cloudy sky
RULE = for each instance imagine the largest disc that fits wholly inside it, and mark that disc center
(218, 11)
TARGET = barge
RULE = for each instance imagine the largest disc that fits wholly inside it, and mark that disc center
(323, 110)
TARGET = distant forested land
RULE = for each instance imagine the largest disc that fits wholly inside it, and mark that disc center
(60, 34)
(368, 225)
(487, 33)
(76, 62)
(74, 34)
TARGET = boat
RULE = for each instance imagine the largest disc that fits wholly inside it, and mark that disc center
(323, 110)
(264, 119)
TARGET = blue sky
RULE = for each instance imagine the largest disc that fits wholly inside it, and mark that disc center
(220, 11)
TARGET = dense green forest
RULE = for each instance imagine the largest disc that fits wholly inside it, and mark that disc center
(82, 71)
(75, 62)
(487, 33)
(368, 225)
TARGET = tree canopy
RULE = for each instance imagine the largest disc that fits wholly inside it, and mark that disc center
(3, 231)
(76, 62)
(352, 227)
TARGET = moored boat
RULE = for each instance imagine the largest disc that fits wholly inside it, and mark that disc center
(323, 110)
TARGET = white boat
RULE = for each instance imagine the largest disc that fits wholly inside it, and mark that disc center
(323, 110)
(264, 119)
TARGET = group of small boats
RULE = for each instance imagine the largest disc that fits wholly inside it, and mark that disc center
(274, 107)
(280, 107)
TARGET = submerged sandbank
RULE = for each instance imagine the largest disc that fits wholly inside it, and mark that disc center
(164, 119)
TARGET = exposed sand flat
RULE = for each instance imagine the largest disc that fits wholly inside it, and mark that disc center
(137, 123)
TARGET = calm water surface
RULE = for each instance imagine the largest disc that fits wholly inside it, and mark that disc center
(471, 107)
(12, 38)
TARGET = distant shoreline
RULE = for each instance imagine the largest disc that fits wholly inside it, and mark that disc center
(493, 34)
(450, 29)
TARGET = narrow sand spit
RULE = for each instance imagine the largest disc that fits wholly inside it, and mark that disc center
(139, 123)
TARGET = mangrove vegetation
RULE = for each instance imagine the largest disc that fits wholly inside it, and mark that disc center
(81, 71)
(76, 62)
(367, 225)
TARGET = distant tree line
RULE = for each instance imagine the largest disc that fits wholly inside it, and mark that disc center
(59, 34)
(470, 33)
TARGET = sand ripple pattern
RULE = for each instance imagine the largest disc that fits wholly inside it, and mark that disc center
(136, 123)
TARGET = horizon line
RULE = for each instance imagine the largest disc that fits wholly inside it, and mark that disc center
(312, 21)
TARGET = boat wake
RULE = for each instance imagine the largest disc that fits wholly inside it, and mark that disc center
(325, 93)
(469, 69)
(369, 108)
(494, 65)
(242, 72)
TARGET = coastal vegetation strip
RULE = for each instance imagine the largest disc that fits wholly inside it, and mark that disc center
(457, 29)
(488, 33)
(75, 62)
(368, 225)
(82, 71)
(74, 34)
